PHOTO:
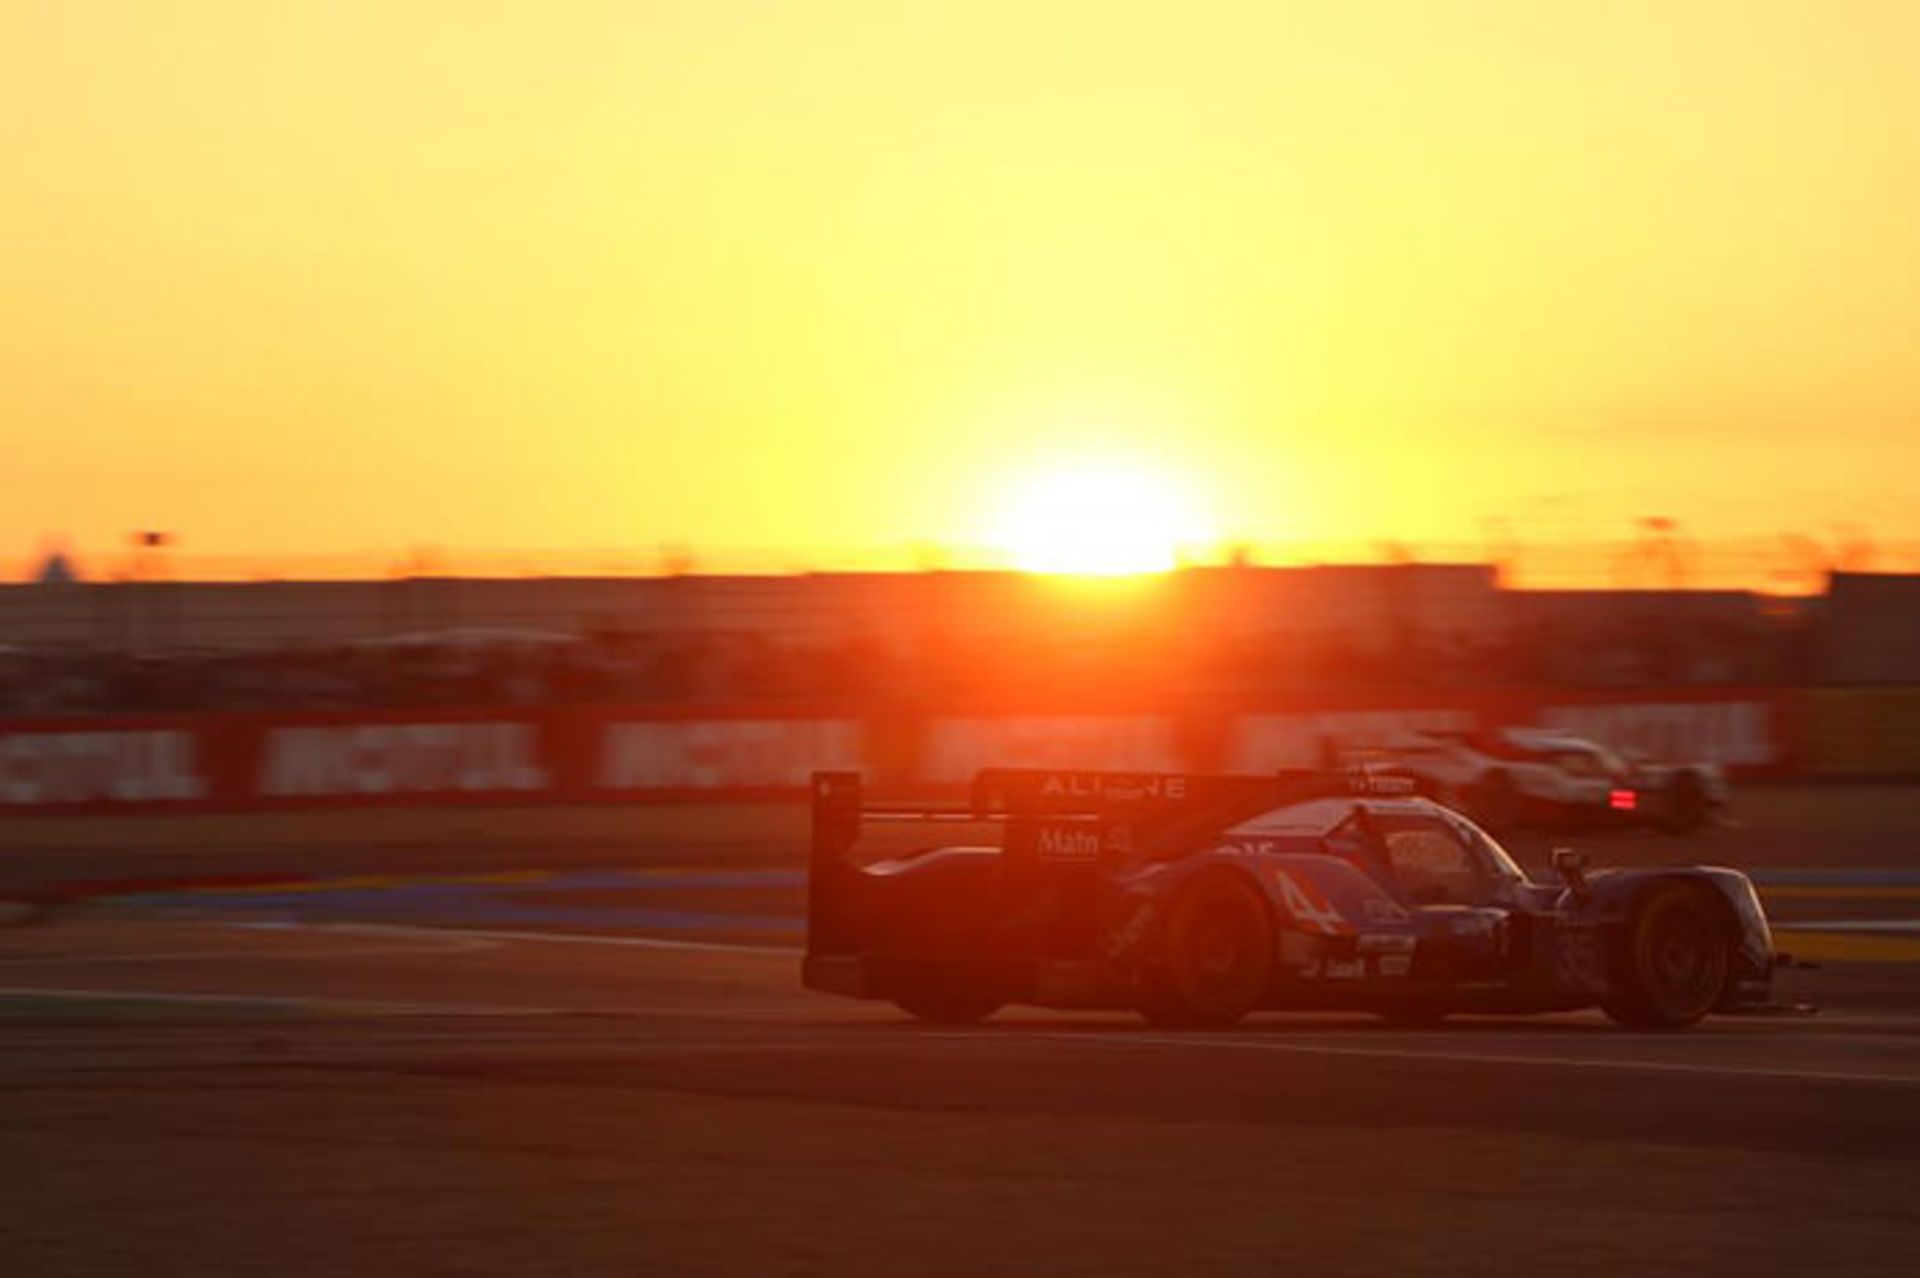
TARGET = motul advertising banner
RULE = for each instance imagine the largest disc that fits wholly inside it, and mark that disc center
(482, 757)
(643, 756)
(93, 767)
(238, 762)
(953, 749)
(563, 755)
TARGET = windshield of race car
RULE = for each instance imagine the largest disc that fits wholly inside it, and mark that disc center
(1432, 853)
(1503, 865)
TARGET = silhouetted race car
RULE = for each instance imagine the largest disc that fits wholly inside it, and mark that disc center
(1507, 777)
(1199, 899)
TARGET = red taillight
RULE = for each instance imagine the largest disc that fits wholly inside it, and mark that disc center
(1623, 800)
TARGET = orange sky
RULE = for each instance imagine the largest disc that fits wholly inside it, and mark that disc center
(827, 277)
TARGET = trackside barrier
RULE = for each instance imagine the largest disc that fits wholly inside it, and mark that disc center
(614, 754)
(1859, 732)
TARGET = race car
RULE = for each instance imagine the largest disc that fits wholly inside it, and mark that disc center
(1196, 900)
(1509, 777)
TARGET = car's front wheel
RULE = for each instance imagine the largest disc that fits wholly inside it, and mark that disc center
(1218, 955)
(1674, 963)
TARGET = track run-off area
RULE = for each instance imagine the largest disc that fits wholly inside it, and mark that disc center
(447, 1053)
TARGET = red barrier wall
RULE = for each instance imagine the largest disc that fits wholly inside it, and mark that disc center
(600, 754)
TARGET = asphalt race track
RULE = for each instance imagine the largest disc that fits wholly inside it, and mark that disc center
(354, 1075)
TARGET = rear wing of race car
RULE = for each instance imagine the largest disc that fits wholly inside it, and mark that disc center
(1052, 821)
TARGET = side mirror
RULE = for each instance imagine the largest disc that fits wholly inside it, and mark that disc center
(1571, 866)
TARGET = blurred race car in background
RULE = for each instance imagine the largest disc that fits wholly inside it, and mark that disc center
(1198, 899)
(1509, 777)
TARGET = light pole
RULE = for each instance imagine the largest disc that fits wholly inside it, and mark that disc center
(151, 566)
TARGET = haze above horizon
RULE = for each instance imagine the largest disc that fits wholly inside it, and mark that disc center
(830, 276)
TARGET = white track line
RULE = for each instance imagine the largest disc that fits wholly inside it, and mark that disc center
(447, 941)
(1481, 1058)
(555, 938)
(452, 945)
(279, 1001)
(327, 1003)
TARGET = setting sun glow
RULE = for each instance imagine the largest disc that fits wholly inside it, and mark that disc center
(1097, 522)
(556, 288)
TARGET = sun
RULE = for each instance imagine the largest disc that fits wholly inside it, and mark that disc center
(1097, 521)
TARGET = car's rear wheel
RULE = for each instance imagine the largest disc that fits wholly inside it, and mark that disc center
(1218, 956)
(1673, 966)
(949, 1007)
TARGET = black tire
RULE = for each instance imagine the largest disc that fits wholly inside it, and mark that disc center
(1494, 803)
(1674, 962)
(1683, 806)
(1217, 958)
(949, 1007)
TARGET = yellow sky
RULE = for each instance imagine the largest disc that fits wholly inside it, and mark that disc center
(823, 276)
